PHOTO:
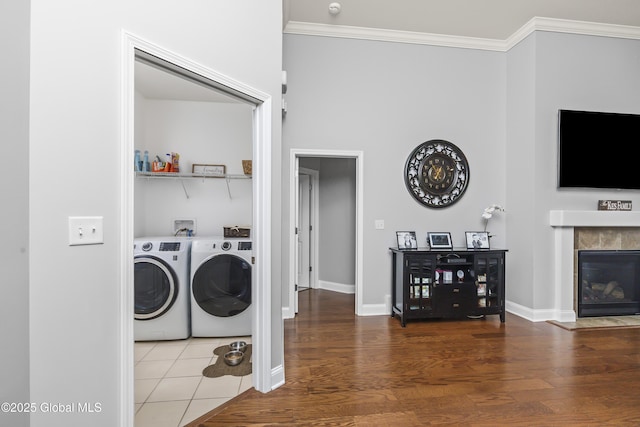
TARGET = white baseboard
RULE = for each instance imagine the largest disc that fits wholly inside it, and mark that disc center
(385, 309)
(540, 315)
(277, 377)
(374, 310)
(288, 313)
(336, 287)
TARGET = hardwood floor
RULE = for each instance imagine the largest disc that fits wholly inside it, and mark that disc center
(344, 370)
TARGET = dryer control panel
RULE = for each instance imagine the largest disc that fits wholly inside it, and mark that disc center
(244, 246)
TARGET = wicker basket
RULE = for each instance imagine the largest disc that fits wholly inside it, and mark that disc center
(237, 231)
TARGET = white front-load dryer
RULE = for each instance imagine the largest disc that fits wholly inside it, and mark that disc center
(161, 288)
(221, 277)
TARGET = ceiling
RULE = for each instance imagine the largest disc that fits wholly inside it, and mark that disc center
(154, 83)
(482, 19)
(490, 19)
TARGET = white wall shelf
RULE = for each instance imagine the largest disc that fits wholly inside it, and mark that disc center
(191, 176)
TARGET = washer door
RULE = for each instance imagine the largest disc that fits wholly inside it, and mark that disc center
(221, 286)
(155, 287)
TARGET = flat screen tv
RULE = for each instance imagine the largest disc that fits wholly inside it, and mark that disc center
(597, 150)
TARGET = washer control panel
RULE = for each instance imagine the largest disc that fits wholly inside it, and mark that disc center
(244, 246)
(169, 246)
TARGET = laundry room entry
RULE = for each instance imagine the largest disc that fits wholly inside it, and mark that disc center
(212, 135)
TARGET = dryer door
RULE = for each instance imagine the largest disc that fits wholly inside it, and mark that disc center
(156, 287)
(222, 285)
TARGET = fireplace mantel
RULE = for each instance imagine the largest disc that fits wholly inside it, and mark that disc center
(594, 218)
(563, 223)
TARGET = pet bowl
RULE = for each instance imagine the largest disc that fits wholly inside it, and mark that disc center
(233, 358)
(238, 346)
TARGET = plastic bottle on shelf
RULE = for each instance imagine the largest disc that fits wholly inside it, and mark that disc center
(138, 163)
(145, 162)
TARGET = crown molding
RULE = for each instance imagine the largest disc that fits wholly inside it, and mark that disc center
(572, 27)
(395, 36)
(376, 34)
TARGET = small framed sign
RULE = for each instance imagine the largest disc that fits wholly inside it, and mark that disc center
(614, 205)
(213, 171)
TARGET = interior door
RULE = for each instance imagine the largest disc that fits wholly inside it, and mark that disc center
(305, 216)
(296, 251)
(304, 230)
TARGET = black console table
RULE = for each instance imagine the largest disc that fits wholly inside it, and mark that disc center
(447, 283)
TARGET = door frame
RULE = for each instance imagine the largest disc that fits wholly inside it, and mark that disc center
(294, 155)
(262, 143)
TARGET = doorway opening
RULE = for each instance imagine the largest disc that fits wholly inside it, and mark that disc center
(295, 252)
(307, 229)
(136, 51)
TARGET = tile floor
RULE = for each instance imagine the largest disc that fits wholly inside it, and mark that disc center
(170, 390)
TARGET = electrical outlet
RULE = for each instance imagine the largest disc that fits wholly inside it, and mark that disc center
(85, 230)
(379, 224)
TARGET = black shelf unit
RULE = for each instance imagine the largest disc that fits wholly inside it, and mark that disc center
(447, 283)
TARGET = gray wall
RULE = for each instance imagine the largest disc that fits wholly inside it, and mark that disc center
(202, 133)
(337, 221)
(384, 99)
(551, 71)
(76, 129)
(14, 188)
(500, 108)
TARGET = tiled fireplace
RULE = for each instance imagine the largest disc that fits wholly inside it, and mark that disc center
(586, 230)
(608, 282)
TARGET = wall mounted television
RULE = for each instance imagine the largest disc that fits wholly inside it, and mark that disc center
(596, 150)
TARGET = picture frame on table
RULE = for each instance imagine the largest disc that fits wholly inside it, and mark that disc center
(477, 239)
(439, 240)
(209, 171)
(406, 240)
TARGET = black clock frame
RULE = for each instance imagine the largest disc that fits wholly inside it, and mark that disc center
(436, 191)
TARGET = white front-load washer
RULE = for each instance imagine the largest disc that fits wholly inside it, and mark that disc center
(161, 288)
(221, 277)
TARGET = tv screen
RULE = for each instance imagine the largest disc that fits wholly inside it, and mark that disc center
(597, 150)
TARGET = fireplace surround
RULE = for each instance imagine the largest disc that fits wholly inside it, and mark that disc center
(581, 230)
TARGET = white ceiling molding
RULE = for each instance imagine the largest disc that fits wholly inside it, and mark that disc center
(535, 24)
(572, 27)
(361, 33)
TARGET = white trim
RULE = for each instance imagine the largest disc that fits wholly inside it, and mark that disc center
(277, 375)
(343, 288)
(375, 310)
(125, 248)
(563, 218)
(572, 27)
(396, 36)
(531, 314)
(261, 289)
(535, 24)
(359, 157)
(262, 377)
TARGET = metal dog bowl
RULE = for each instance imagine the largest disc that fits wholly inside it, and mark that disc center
(238, 346)
(233, 358)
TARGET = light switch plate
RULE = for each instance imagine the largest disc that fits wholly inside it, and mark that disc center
(85, 230)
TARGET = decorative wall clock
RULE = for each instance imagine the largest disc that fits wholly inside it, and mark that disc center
(437, 173)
